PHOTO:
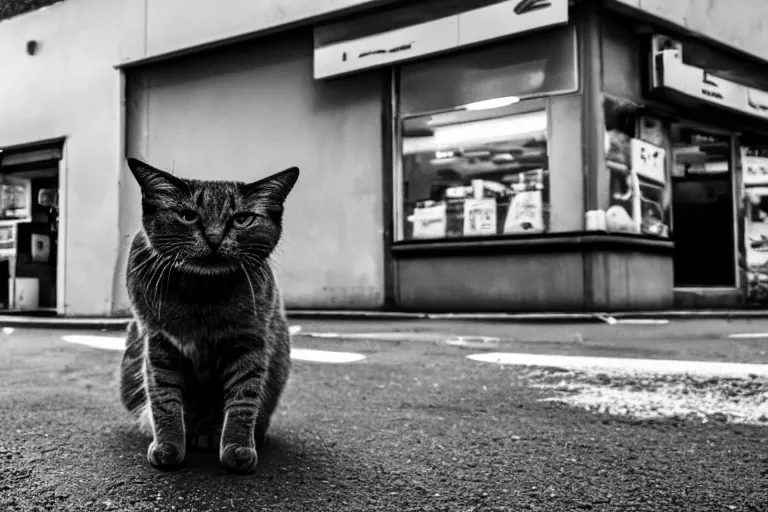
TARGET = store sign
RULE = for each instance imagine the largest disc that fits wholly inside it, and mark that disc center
(672, 73)
(452, 32)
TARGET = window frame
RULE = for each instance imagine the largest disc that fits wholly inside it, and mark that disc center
(527, 103)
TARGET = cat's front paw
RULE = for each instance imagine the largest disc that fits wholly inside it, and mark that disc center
(239, 459)
(165, 455)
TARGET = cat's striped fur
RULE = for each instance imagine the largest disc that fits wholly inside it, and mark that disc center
(208, 350)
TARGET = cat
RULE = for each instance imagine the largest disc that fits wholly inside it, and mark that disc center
(208, 348)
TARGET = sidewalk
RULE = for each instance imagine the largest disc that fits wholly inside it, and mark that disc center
(120, 323)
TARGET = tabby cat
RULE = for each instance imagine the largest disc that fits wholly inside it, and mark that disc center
(208, 350)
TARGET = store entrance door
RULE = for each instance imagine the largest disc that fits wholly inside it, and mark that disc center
(703, 216)
(29, 231)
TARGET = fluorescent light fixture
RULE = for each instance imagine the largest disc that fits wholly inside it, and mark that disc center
(494, 103)
(500, 129)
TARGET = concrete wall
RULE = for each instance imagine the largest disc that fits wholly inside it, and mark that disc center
(251, 110)
(71, 89)
(173, 25)
(741, 24)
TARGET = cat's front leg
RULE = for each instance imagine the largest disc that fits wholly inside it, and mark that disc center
(165, 386)
(243, 378)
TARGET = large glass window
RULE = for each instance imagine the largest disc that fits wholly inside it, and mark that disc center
(754, 164)
(636, 157)
(474, 178)
(473, 141)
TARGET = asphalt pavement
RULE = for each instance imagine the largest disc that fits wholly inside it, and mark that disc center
(415, 425)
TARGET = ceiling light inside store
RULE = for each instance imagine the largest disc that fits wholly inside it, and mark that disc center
(494, 103)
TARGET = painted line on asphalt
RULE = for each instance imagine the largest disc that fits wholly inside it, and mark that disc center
(626, 365)
(103, 342)
(324, 356)
(748, 335)
(299, 354)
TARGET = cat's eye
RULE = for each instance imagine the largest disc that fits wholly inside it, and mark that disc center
(243, 220)
(188, 216)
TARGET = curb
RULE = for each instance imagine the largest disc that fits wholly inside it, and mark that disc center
(120, 324)
(99, 324)
(532, 317)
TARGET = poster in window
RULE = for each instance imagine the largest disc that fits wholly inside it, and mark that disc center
(526, 213)
(479, 217)
(7, 236)
(429, 221)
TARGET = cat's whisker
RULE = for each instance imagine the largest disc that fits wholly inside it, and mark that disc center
(154, 280)
(142, 265)
(250, 284)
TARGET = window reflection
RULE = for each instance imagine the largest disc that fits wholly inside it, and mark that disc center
(468, 174)
(531, 66)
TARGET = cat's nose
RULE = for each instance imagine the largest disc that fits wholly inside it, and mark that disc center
(214, 240)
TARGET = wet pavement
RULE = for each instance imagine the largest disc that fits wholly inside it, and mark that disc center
(414, 425)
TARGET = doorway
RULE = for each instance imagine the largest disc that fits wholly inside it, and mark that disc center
(29, 230)
(703, 208)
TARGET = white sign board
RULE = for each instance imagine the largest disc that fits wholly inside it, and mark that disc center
(755, 170)
(525, 214)
(700, 84)
(648, 160)
(429, 222)
(431, 37)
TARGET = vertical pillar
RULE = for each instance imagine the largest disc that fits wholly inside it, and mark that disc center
(593, 124)
(596, 189)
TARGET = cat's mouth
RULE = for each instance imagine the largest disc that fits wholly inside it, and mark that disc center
(211, 264)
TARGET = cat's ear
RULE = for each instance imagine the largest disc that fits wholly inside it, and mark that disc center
(275, 188)
(154, 182)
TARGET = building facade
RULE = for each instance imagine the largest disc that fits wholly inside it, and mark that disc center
(494, 155)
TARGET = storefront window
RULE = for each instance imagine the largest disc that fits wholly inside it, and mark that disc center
(474, 144)
(475, 178)
(636, 159)
(754, 164)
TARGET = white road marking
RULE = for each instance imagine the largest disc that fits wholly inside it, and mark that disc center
(473, 341)
(7, 330)
(294, 329)
(103, 342)
(749, 335)
(301, 354)
(324, 356)
(360, 335)
(626, 365)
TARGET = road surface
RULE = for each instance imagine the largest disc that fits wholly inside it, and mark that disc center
(411, 423)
